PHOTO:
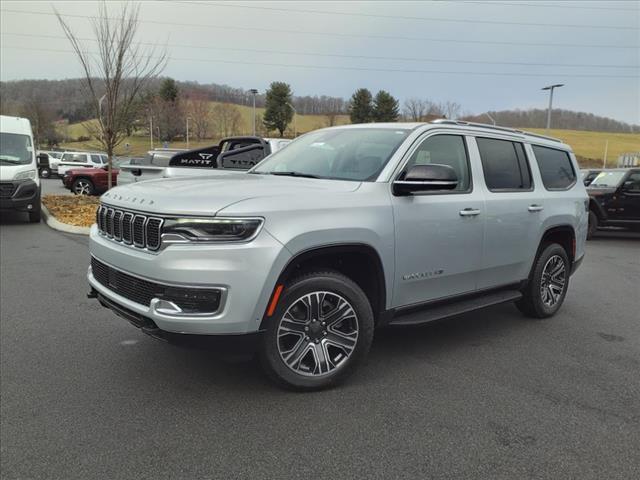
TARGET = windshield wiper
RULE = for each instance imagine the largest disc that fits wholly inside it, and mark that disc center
(10, 160)
(294, 174)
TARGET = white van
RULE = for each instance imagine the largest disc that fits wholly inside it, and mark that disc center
(19, 181)
(71, 160)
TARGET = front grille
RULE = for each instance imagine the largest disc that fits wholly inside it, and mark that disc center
(190, 300)
(7, 189)
(131, 228)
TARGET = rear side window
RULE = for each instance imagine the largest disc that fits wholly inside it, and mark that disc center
(504, 164)
(555, 168)
(74, 157)
(96, 159)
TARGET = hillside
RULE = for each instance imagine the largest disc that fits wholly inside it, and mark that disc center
(589, 146)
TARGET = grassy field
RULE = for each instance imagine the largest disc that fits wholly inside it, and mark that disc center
(589, 146)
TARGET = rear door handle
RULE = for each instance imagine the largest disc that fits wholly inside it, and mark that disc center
(469, 212)
(535, 208)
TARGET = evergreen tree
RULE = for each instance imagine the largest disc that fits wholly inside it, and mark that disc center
(278, 111)
(385, 107)
(360, 107)
(168, 90)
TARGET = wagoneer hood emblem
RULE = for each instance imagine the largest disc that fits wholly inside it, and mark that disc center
(128, 199)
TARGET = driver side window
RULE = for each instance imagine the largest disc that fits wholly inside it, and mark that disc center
(445, 150)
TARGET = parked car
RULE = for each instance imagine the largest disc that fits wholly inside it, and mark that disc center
(231, 154)
(346, 229)
(80, 160)
(19, 181)
(588, 175)
(90, 181)
(615, 200)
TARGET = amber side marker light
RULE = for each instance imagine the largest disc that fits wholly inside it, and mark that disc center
(274, 300)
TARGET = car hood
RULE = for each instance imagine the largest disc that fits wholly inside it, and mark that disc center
(210, 194)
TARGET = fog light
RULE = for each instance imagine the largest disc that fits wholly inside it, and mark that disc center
(29, 207)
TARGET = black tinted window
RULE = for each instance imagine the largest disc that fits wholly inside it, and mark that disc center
(504, 164)
(632, 183)
(555, 168)
(444, 150)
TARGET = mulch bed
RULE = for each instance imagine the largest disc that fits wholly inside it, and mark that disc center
(79, 210)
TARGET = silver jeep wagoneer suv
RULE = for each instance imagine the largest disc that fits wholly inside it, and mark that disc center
(345, 230)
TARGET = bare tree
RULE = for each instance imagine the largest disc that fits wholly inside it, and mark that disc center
(199, 110)
(226, 118)
(332, 118)
(415, 108)
(116, 75)
(452, 110)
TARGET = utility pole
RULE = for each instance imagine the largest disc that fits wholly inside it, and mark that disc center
(551, 88)
(606, 150)
(151, 130)
(253, 93)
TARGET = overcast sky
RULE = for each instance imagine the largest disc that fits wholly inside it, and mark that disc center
(591, 46)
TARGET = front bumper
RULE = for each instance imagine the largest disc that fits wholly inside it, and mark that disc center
(21, 195)
(247, 273)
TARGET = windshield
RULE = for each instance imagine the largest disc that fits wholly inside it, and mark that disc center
(607, 179)
(15, 149)
(343, 154)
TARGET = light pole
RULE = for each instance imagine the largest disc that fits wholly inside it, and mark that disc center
(490, 118)
(151, 130)
(188, 118)
(551, 88)
(100, 106)
(253, 93)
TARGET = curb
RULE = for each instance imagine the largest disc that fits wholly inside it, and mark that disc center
(62, 227)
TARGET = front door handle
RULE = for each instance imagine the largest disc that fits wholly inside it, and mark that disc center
(469, 212)
(535, 208)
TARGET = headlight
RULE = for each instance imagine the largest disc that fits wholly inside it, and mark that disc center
(29, 174)
(213, 229)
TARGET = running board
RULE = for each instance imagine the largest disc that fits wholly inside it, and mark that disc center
(450, 309)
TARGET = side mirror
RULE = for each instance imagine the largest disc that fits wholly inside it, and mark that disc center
(42, 160)
(425, 178)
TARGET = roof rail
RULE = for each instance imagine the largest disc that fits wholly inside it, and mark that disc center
(441, 121)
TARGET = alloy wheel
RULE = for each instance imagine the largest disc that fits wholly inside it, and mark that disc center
(317, 334)
(82, 188)
(553, 281)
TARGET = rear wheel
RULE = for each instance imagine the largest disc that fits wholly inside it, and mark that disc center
(548, 283)
(82, 186)
(593, 224)
(321, 330)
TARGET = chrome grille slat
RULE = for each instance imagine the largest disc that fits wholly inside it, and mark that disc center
(131, 228)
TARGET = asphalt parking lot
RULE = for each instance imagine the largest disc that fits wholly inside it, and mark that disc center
(53, 186)
(485, 395)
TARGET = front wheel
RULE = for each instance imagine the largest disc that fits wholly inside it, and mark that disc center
(45, 173)
(547, 284)
(82, 186)
(320, 331)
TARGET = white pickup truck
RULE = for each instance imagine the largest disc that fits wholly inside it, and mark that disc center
(231, 154)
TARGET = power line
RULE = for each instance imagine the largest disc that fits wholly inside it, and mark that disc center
(544, 5)
(338, 55)
(342, 35)
(403, 17)
(364, 69)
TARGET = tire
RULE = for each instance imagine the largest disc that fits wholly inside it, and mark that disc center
(545, 291)
(292, 348)
(45, 173)
(82, 186)
(34, 217)
(593, 225)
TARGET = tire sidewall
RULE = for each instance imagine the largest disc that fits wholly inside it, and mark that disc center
(549, 251)
(325, 281)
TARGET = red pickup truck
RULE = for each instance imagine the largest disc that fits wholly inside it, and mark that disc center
(89, 181)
